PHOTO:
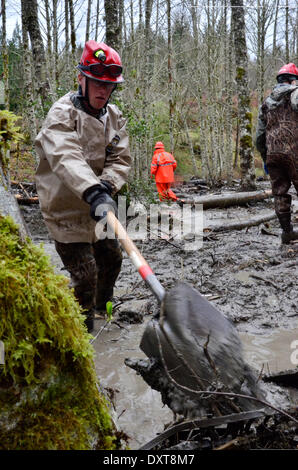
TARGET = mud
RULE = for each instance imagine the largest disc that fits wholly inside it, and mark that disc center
(247, 274)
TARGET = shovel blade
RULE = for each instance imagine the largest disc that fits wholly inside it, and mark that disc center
(197, 347)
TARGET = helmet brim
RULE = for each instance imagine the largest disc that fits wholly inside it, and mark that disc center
(104, 78)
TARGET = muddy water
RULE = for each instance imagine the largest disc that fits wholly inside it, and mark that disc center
(138, 409)
(273, 352)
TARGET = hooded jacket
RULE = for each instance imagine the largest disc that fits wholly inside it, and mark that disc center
(76, 151)
(277, 127)
(163, 166)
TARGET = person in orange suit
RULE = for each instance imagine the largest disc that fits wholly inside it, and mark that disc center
(163, 166)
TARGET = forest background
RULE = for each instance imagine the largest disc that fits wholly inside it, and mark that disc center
(195, 74)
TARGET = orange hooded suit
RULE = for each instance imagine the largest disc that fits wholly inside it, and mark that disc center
(163, 166)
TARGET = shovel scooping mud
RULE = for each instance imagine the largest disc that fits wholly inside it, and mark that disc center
(194, 353)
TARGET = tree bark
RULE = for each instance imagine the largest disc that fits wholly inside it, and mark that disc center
(170, 77)
(30, 110)
(5, 55)
(30, 12)
(88, 21)
(73, 41)
(244, 112)
(55, 47)
(287, 33)
(112, 24)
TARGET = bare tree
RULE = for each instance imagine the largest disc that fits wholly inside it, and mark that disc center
(287, 32)
(73, 40)
(88, 20)
(170, 76)
(5, 55)
(30, 109)
(31, 24)
(244, 112)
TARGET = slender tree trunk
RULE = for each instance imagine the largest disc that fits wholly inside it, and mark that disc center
(29, 110)
(132, 22)
(30, 11)
(147, 74)
(55, 45)
(5, 56)
(73, 41)
(112, 23)
(88, 20)
(274, 49)
(244, 112)
(48, 23)
(287, 32)
(170, 77)
(67, 42)
(97, 20)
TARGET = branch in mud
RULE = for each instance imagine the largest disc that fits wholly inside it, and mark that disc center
(210, 392)
(233, 199)
(26, 200)
(240, 225)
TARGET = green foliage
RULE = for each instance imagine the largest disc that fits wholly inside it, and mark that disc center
(109, 309)
(9, 132)
(141, 190)
(49, 396)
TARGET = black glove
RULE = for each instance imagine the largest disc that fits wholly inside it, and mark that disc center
(99, 198)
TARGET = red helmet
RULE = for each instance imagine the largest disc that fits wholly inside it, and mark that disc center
(101, 63)
(288, 69)
(159, 145)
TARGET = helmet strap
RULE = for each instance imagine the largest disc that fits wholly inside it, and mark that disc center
(86, 103)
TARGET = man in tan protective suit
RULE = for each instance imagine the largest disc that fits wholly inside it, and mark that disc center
(84, 161)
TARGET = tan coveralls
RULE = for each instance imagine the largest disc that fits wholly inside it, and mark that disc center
(76, 151)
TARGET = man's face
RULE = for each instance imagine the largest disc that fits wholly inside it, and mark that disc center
(98, 92)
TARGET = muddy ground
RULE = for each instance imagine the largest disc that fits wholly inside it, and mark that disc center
(247, 274)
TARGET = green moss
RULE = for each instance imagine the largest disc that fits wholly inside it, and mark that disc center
(248, 116)
(240, 71)
(246, 141)
(49, 396)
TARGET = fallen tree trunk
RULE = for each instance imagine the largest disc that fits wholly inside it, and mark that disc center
(230, 199)
(26, 200)
(240, 225)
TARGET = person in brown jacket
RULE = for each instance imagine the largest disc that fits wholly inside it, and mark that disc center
(277, 141)
(84, 161)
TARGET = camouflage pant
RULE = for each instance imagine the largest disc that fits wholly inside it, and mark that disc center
(283, 171)
(93, 270)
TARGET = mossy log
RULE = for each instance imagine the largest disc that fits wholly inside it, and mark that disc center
(9, 206)
(49, 393)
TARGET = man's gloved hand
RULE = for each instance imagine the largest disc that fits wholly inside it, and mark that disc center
(99, 198)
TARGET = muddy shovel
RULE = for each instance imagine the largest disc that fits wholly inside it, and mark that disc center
(191, 346)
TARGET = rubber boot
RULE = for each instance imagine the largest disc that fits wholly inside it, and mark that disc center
(89, 321)
(286, 237)
(288, 234)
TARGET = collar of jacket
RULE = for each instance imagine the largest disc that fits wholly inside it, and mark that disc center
(79, 102)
